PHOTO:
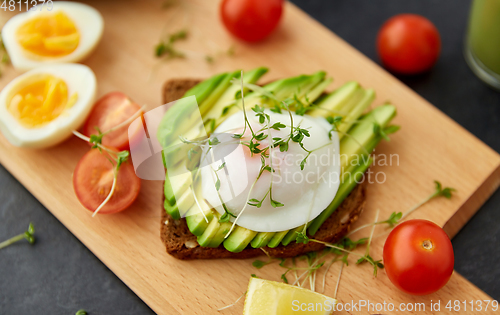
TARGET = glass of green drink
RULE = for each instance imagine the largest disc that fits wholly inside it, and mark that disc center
(482, 44)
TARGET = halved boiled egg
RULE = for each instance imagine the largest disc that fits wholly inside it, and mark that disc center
(234, 179)
(43, 106)
(67, 33)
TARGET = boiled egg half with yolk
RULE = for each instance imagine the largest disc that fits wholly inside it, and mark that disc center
(233, 177)
(43, 106)
(66, 33)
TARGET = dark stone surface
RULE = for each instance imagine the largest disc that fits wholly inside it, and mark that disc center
(59, 275)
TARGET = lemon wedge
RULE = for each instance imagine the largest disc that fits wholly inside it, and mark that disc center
(275, 298)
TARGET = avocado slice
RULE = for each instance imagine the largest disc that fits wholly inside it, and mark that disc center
(221, 108)
(334, 101)
(220, 235)
(196, 222)
(363, 132)
(239, 239)
(205, 239)
(344, 190)
(277, 238)
(262, 239)
(182, 182)
(367, 98)
(177, 120)
(291, 235)
(207, 104)
(171, 209)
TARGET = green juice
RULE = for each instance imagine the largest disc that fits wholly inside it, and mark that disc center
(483, 40)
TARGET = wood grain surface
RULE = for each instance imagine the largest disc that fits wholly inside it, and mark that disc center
(429, 146)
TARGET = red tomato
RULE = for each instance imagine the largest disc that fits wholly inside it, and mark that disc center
(93, 178)
(251, 20)
(418, 257)
(109, 111)
(408, 44)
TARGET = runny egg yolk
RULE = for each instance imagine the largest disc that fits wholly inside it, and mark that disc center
(41, 101)
(49, 35)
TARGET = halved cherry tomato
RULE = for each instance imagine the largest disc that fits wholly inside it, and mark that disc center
(108, 112)
(418, 257)
(408, 44)
(93, 178)
(251, 20)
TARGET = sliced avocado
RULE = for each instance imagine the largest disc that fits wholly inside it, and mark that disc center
(362, 135)
(185, 202)
(300, 85)
(177, 120)
(291, 235)
(356, 111)
(207, 104)
(171, 209)
(277, 238)
(344, 190)
(180, 208)
(220, 235)
(239, 239)
(203, 89)
(197, 224)
(315, 92)
(205, 239)
(281, 89)
(262, 239)
(182, 181)
(168, 191)
(196, 220)
(333, 102)
(363, 132)
(222, 108)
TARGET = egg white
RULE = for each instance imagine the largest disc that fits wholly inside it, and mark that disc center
(303, 199)
(88, 21)
(79, 79)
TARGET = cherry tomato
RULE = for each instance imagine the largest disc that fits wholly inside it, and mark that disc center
(93, 178)
(408, 44)
(418, 257)
(109, 111)
(251, 20)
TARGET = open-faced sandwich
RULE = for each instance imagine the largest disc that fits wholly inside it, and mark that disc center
(259, 169)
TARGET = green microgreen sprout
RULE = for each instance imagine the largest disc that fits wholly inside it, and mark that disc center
(439, 191)
(81, 312)
(28, 235)
(115, 158)
(396, 217)
(345, 247)
(227, 214)
(165, 48)
(228, 52)
(384, 132)
(367, 258)
(335, 122)
(259, 263)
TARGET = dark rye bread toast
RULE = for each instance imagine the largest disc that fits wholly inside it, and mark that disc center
(181, 244)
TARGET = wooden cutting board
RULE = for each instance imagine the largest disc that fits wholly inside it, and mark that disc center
(430, 146)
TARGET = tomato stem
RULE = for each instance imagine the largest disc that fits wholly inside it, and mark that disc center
(427, 244)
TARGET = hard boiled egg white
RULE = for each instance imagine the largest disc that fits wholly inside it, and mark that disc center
(67, 33)
(303, 193)
(43, 106)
